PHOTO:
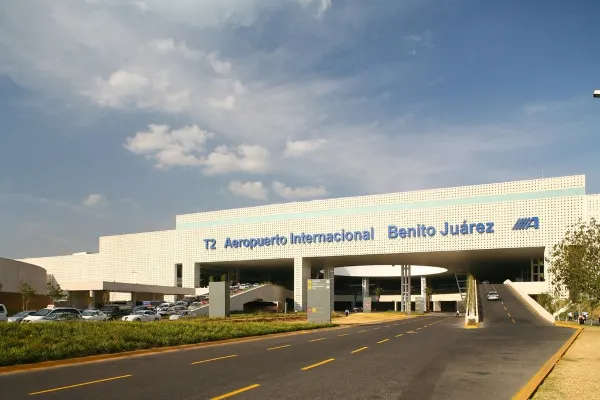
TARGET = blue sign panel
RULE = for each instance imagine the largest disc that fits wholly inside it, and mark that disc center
(526, 223)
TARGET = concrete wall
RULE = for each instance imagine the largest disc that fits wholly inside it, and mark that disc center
(13, 272)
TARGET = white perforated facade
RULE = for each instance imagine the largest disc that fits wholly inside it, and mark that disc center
(150, 258)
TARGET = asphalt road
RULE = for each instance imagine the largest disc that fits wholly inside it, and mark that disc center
(510, 309)
(429, 357)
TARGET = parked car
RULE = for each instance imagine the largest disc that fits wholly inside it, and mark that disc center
(3, 313)
(18, 317)
(94, 315)
(493, 296)
(141, 316)
(115, 311)
(44, 312)
(60, 317)
(183, 314)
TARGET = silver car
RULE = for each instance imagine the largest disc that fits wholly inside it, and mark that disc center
(493, 296)
(18, 317)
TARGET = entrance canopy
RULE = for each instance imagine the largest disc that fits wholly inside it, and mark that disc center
(385, 271)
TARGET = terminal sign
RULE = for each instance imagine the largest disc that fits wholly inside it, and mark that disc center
(344, 236)
(466, 228)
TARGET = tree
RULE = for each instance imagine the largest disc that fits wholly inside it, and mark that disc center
(224, 277)
(378, 292)
(54, 292)
(211, 278)
(428, 293)
(27, 292)
(105, 297)
(575, 264)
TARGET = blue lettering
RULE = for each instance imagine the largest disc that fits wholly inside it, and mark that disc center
(480, 228)
(392, 232)
(490, 227)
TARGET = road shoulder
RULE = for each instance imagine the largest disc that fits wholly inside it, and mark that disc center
(577, 372)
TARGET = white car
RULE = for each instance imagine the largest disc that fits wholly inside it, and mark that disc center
(94, 315)
(493, 296)
(3, 313)
(142, 316)
(46, 312)
(183, 314)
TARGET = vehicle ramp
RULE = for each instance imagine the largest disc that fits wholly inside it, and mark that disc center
(509, 309)
(266, 292)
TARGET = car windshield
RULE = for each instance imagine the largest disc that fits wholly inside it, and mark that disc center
(493, 294)
(138, 313)
(88, 313)
(43, 312)
(22, 314)
(55, 316)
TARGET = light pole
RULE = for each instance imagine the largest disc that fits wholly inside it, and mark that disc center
(597, 93)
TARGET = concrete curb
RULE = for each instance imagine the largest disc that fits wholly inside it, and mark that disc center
(146, 352)
(534, 383)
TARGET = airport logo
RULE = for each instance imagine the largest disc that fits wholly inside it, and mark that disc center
(526, 223)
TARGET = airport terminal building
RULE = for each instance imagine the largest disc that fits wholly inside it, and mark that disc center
(495, 231)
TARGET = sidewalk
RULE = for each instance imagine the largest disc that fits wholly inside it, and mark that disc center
(370, 318)
(577, 374)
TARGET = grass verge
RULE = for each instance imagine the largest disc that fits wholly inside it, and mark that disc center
(30, 343)
(578, 371)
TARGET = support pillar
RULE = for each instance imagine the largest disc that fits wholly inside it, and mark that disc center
(365, 287)
(302, 268)
(197, 275)
(405, 289)
(424, 293)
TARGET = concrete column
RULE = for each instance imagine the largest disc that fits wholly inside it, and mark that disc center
(302, 268)
(79, 298)
(197, 269)
(365, 287)
(423, 287)
(395, 305)
(437, 306)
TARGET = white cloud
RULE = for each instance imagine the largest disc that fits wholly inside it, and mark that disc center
(322, 5)
(252, 190)
(228, 103)
(187, 147)
(170, 148)
(301, 192)
(244, 158)
(94, 200)
(299, 148)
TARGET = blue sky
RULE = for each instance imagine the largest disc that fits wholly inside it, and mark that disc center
(118, 115)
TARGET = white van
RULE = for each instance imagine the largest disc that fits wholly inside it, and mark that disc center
(3, 313)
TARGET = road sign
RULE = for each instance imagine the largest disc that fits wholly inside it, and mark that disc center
(319, 296)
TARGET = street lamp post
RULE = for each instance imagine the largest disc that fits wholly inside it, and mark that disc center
(597, 93)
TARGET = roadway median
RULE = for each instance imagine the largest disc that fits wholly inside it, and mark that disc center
(37, 342)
